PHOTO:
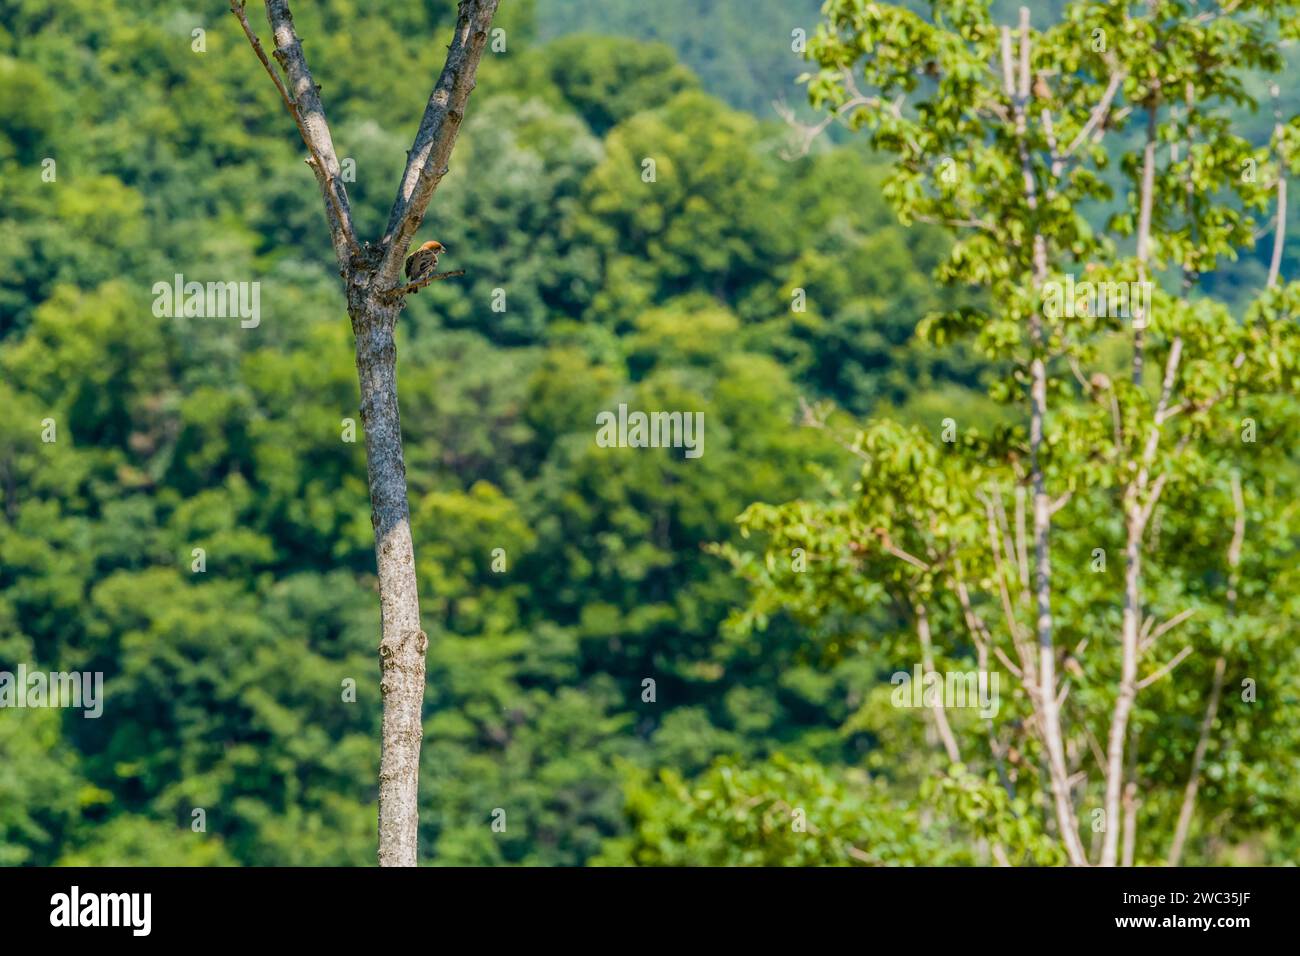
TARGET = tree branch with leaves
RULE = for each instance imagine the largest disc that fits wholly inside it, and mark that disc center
(1006, 134)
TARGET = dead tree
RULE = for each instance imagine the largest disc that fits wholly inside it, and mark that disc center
(375, 298)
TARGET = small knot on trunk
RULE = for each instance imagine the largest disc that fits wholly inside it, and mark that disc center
(389, 647)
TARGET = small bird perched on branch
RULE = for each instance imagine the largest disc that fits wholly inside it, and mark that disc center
(424, 260)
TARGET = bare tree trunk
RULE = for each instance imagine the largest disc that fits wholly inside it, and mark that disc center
(1275, 265)
(1144, 235)
(1279, 231)
(1048, 708)
(1131, 802)
(1140, 499)
(1134, 517)
(1145, 201)
(403, 644)
(1127, 683)
(1045, 698)
(374, 302)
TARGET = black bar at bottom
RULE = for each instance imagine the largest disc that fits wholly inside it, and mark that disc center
(440, 906)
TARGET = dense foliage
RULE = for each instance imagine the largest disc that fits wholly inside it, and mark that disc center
(225, 687)
(1105, 551)
(558, 577)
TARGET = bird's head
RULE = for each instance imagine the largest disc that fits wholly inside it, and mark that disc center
(433, 246)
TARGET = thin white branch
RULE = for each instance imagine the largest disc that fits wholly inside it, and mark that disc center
(1152, 678)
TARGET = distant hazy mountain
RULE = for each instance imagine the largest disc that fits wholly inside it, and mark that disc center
(741, 49)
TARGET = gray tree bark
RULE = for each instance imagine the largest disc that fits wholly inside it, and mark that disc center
(1046, 704)
(374, 301)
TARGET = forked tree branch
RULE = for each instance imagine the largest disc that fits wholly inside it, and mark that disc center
(374, 302)
(1099, 113)
(426, 162)
(427, 159)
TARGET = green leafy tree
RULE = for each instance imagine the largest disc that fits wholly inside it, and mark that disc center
(990, 545)
(776, 813)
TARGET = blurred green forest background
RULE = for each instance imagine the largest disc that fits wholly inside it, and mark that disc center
(223, 688)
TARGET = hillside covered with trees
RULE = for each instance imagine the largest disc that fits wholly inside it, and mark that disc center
(764, 289)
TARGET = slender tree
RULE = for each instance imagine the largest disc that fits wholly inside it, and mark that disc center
(370, 273)
(1005, 134)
